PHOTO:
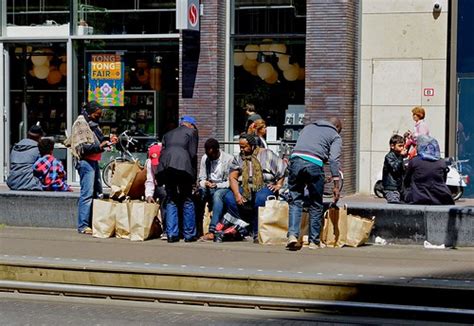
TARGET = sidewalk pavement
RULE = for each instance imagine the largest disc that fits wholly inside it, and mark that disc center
(371, 263)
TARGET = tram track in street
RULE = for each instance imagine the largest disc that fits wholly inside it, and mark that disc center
(418, 312)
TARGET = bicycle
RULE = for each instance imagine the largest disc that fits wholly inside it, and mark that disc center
(286, 148)
(124, 142)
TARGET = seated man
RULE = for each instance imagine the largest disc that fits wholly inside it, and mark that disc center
(214, 182)
(49, 169)
(23, 155)
(263, 174)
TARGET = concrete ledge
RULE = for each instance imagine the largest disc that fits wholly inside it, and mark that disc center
(449, 225)
(39, 209)
(400, 224)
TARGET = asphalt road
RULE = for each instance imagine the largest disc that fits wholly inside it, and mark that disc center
(25, 309)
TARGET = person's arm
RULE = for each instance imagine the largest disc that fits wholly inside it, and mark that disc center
(234, 186)
(279, 171)
(393, 163)
(408, 175)
(192, 148)
(335, 165)
(202, 172)
(149, 183)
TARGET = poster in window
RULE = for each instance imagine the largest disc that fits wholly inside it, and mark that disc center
(106, 79)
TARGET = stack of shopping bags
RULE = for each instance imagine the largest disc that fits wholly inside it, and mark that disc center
(122, 216)
(339, 229)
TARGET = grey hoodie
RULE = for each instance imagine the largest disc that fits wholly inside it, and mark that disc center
(23, 155)
(321, 139)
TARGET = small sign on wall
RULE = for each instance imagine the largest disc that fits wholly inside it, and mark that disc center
(187, 15)
(428, 92)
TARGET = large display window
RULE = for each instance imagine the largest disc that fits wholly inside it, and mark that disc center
(149, 102)
(268, 44)
(37, 91)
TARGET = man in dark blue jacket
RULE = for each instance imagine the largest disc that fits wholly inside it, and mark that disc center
(318, 143)
(23, 155)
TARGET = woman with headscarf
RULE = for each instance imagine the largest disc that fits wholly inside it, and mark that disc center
(425, 179)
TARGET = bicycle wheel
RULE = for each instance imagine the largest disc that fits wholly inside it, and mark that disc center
(108, 171)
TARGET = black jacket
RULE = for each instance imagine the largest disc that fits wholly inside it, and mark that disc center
(179, 151)
(425, 182)
(393, 170)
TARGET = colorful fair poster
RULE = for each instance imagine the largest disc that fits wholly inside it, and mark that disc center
(106, 79)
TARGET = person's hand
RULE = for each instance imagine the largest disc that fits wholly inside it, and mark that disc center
(274, 188)
(113, 139)
(240, 199)
(105, 144)
(404, 152)
(210, 184)
(336, 194)
(150, 200)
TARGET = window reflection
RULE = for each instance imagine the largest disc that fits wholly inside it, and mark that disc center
(39, 12)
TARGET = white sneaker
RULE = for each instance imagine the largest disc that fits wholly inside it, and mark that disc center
(292, 242)
(313, 246)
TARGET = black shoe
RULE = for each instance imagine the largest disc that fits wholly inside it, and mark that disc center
(193, 239)
(173, 239)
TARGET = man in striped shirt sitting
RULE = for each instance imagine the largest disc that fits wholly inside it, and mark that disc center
(254, 175)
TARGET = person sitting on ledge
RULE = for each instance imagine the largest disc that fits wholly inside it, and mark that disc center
(425, 178)
(23, 155)
(49, 169)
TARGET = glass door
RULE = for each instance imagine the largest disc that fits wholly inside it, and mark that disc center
(37, 92)
(4, 94)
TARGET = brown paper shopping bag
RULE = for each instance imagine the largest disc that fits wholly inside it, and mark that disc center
(137, 189)
(335, 227)
(273, 222)
(103, 218)
(122, 179)
(144, 220)
(358, 230)
(122, 220)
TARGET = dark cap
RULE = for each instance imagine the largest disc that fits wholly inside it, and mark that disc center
(36, 130)
(93, 106)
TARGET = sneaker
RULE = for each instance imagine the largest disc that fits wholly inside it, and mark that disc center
(86, 230)
(292, 242)
(207, 237)
(313, 245)
(164, 236)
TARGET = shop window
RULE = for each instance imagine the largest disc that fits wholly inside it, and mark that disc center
(268, 44)
(150, 97)
(39, 12)
(38, 80)
(126, 17)
(269, 16)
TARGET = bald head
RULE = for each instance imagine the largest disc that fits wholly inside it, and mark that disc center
(336, 123)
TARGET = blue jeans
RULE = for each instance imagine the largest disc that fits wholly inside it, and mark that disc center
(178, 192)
(91, 187)
(258, 200)
(215, 198)
(305, 174)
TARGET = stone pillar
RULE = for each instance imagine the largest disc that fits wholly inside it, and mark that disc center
(331, 72)
(202, 74)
